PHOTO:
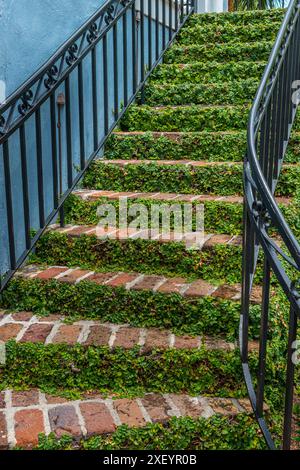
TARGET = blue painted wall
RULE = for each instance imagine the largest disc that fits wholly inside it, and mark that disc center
(31, 30)
(21, 59)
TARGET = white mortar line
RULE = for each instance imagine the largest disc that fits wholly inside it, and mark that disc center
(44, 408)
(143, 410)
(142, 338)
(80, 419)
(172, 340)
(208, 411)
(85, 331)
(53, 332)
(85, 276)
(159, 284)
(10, 422)
(113, 412)
(112, 339)
(65, 273)
(129, 285)
(174, 409)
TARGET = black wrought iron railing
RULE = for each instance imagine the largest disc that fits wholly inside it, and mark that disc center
(267, 237)
(57, 122)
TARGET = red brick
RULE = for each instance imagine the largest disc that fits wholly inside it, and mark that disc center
(9, 331)
(173, 286)
(122, 279)
(256, 294)
(186, 342)
(2, 400)
(129, 412)
(101, 278)
(67, 334)
(226, 292)
(64, 420)
(236, 241)
(99, 335)
(53, 400)
(3, 432)
(72, 277)
(223, 406)
(27, 398)
(28, 425)
(51, 273)
(78, 231)
(22, 316)
(36, 333)
(215, 344)
(199, 288)
(156, 407)
(50, 318)
(216, 240)
(187, 406)
(157, 339)
(127, 338)
(148, 283)
(98, 419)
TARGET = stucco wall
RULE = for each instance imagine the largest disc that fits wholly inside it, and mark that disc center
(31, 30)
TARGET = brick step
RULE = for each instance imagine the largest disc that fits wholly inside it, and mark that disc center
(214, 33)
(255, 51)
(184, 177)
(94, 195)
(26, 414)
(134, 281)
(208, 241)
(213, 146)
(209, 72)
(253, 17)
(235, 92)
(25, 327)
(188, 118)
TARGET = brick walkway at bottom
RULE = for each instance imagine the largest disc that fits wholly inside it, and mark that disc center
(25, 415)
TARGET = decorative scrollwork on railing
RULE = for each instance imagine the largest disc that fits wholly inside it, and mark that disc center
(71, 56)
(51, 79)
(25, 104)
(93, 33)
(109, 17)
(2, 124)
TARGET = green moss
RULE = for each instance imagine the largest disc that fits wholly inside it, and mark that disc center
(217, 432)
(217, 264)
(209, 72)
(220, 216)
(236, 92)
(257, 51)
(210, 146)
(254, 17)
(90, 301)
(229, 32)
(222, 180)
(185, 118)
(97, 368)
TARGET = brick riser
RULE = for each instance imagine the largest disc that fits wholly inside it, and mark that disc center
(25, 327)
(139, 282)
(25, 415)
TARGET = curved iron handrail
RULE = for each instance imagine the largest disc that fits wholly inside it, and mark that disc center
(270, 123)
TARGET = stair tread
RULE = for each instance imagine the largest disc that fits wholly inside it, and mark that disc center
(138, 282)
(26, 414)
(94, 195)
(26, 327)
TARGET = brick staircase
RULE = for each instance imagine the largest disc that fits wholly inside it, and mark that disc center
(113, 330)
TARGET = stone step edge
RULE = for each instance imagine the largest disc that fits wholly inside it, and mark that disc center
(196, 240)
(26, 415)
(138, 282)
(25, 327)
(94, 194)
